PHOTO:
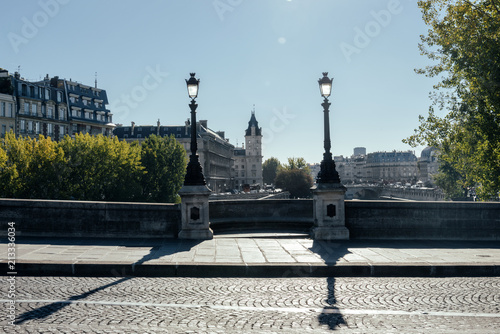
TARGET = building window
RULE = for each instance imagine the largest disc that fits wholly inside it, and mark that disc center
(50, 129)
(32, 91)
(37, 127)
(33, 110)
(62, 111)
(59, 96)
(61, 130)
(2, 109)
(4, 130)
(10, 113)
(30, 127)
(23, 126)
(26, 108)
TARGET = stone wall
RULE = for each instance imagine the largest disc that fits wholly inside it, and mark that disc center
(281, 214)
(423, 220)
(418, 194)
(364, 219)
(90, 219)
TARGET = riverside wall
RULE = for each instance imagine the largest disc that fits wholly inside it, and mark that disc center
(364, 219)
(47, 218)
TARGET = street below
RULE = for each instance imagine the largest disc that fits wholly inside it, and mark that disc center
(251, 305)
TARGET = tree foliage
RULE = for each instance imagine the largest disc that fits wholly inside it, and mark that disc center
(295, 178)
(91, 168)
(297, 163)
(102, 168)
(464, 41)
(270, 169)
(164, 160)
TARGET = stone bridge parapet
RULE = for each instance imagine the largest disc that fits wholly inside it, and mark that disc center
(364, 219)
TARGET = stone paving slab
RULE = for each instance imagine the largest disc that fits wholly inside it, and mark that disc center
(254, 255)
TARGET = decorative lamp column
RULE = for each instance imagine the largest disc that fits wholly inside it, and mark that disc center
(194, 194)
(328, 194)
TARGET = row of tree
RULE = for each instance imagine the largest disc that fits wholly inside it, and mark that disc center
(294, 177)
(91, 168)
(464, 42)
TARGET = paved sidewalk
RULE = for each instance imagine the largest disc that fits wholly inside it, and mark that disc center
(251, 255)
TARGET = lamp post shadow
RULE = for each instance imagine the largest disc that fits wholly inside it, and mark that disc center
(154, 253)
(330, 252)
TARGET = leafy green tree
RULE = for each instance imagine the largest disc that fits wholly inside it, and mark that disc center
(296, 163)
(270, 169)
(91, 168)
(296, 181)
(295, 178)
(9, 176)
(46, 169)
(164, 160)
(124, 171)
(464, 40)
(102, 168)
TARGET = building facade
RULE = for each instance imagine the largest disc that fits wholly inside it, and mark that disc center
(214, 150)
(390, 167)
(428, 165)
(248, 161)
(52, 107)
(380, 167)
(87, 111)
(7, 114)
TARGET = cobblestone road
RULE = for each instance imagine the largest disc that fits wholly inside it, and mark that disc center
(255, 305)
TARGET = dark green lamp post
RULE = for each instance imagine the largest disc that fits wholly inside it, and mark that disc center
(194, 172)
(328, 173)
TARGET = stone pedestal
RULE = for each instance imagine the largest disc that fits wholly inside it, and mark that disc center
(329, 212)
(194, 213)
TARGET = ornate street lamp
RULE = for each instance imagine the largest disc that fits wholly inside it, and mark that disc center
(194, 172)
(328, 173)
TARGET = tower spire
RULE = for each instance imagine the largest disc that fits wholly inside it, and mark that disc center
(95, 80)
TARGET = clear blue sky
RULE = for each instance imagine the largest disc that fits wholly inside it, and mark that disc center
(264, 52)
